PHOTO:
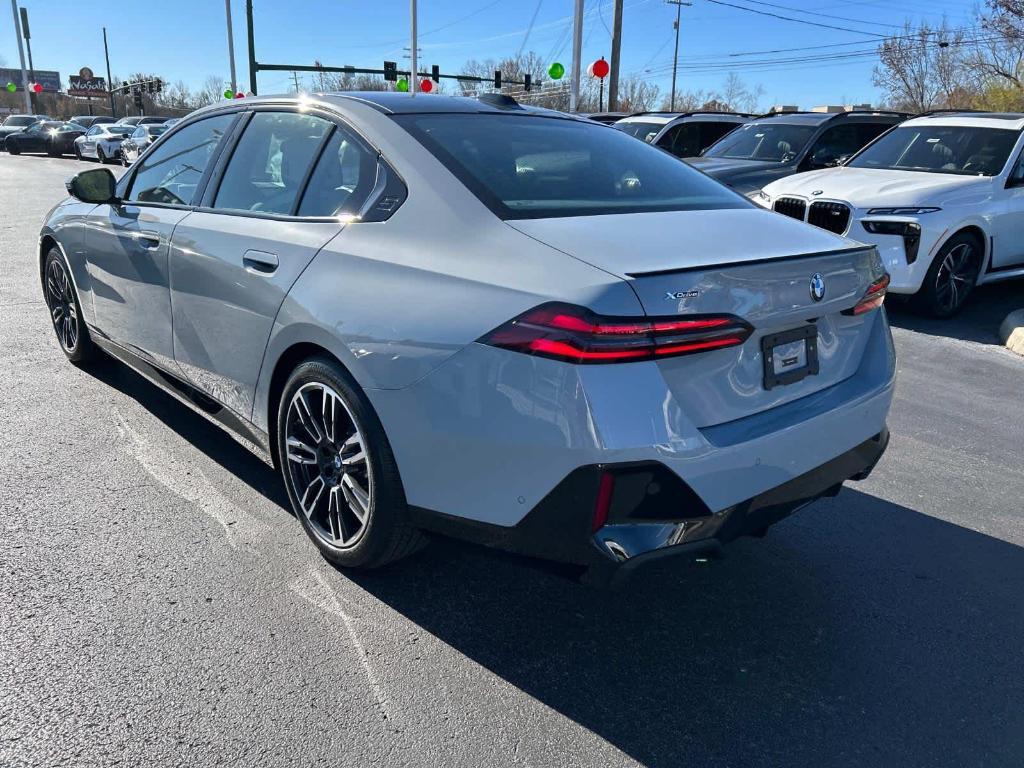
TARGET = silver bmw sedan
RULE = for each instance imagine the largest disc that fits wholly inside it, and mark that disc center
(475, 318)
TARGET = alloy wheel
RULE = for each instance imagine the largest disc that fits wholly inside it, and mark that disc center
(955, 276)
(328, 465)
(60, 298)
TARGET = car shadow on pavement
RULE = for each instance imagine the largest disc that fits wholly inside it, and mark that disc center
(859, 632)
(978, 321)
(197, 430)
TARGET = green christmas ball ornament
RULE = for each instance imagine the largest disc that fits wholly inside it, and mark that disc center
(402, 85)
(11, 87)
(229, 94)
(555, 71)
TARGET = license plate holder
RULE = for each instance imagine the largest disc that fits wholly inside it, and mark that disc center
(790, 356)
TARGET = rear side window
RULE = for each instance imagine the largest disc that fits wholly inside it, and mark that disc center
(172, 173)
(539, 167)
(270, 163)
(344, 178)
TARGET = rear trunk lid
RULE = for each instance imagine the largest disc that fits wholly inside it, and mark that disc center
(751, 263)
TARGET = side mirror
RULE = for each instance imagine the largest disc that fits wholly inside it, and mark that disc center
(841, 160)
(96, 185)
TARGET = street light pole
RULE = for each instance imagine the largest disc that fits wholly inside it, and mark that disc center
(675, 58)
(110, 80)
(28, 45)
(21, 55)
(231, 46)
(577, 52)
(613, 77)
(412, 49)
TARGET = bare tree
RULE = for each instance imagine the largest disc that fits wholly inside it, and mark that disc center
(924, 68)
(211, 92)
(737, 96)
(1000, 55)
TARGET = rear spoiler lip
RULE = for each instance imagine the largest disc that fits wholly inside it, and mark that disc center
(727, 265)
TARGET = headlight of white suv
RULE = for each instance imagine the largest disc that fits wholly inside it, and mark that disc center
(760, 197)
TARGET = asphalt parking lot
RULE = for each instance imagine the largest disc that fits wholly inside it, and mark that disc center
(163, 608)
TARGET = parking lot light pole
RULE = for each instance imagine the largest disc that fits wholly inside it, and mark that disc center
(577, 52)
(412, 75)
(110, 81)
(21, 55)
(231, 47)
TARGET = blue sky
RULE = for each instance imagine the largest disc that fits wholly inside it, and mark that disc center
(186, 39)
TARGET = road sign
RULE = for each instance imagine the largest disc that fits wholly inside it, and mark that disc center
(86, 86)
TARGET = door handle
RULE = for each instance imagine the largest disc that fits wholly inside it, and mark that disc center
(147, 240)
(260, 261)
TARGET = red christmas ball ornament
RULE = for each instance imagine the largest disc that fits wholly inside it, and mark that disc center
(598, 69)
(239, 95)
(426, 85)
(37, 87)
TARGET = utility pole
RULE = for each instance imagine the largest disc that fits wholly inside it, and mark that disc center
(28, 44)
(577, 53)
(231, 46)
(613, 76)
(21, 55)
(412, 51)
(110, 80)
(295, 78)
(252, 47)
(675, 57)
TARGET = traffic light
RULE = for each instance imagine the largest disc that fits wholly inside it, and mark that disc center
(138, 101)
(435, 73)
(159, 85)
(527, 81)
(391, 71)
(497, 79)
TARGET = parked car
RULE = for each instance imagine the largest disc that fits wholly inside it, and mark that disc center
(592, 354)
(16, 123)
(143, 120)
(941, 197)
(684, 134)
(51, 137)
(772, 147)
(102, 142)
(136, 144)
(88, 121)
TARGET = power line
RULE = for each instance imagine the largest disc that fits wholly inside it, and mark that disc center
(822, 15)
(798, 21)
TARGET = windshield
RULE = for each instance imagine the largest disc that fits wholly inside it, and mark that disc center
(538, 167)
(156, 130)
(640, 129)
(940, 149)
(772, 142)
(18, 121)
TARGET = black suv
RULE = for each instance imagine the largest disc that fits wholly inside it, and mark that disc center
(778, 145)
(682, 133)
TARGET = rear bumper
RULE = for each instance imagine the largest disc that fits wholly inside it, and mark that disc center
(653, 514)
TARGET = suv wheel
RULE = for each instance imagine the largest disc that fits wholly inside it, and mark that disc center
(65, 310)
(339, 470)
(100, 156)
(951, 277)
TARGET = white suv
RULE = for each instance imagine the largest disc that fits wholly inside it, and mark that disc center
(941, 196)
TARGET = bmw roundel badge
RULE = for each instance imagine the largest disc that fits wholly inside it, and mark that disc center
(817, 286)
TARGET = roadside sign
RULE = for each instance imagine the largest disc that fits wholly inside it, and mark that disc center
(48, 79)
(86, 86)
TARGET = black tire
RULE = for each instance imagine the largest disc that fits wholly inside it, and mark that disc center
(65, 310)
(951, 277)
(124, 159)
(78, 153)
(100, 156)
(13, 150)
(383, 534)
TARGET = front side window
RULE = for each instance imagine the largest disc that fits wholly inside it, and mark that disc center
(93, 131)
(771, 142)
(539, 167)
(271, 161)
(171, 174)
(940, 149)
(344, 178)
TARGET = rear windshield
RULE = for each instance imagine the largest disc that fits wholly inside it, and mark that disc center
(940, 149)
(773, 142)
(156, 130)
(120, 130)
(640, 129)
(19, 120)
(527, 167)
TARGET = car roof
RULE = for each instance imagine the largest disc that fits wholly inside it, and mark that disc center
(1007, 120)
(818, 118)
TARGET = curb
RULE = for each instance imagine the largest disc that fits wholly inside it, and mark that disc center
(1011, 332)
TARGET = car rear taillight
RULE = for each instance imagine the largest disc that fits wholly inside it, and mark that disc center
(577, 335)
(872, 299)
